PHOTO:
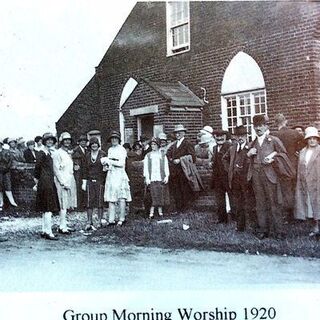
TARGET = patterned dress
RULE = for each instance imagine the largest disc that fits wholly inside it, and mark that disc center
(117, 182)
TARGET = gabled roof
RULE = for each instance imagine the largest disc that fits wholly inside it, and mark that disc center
(176, 93)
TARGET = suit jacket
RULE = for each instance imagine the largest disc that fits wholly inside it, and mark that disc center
(79, 158)
(229, 162)
(29, 157)
(269, 145)
(185, 148)
(219, 171)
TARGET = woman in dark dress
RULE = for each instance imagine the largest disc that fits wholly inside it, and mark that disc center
(47, 199)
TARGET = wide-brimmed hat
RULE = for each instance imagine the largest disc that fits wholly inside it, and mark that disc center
(83, 137)
(206, 130)
(220, 132)
(240, 131)
(11, 140)
(64, 136)
(311, 132)
(94, 140)
(114, 134)
(155, 140)
(48, 135)
(260, 119)
(205, 138)
(179, 127)
(162, 136)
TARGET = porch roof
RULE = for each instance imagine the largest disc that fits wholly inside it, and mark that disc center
(177, 94)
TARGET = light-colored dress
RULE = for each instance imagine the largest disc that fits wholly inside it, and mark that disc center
(117, 181)
(63, 176)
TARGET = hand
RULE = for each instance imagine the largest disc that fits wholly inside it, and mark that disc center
(104, 161)
(84, 185)
(76, 167)
(176, 161)
(252, 152)
(268, 160)
(147, 182)
(35, 188)
(165, 180)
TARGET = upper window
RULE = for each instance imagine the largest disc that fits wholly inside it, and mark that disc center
(178, 27)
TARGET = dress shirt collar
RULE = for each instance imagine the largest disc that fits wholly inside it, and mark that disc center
(179, 142)
(261, 139)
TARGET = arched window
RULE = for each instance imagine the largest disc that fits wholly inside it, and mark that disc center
(126, 92)
(243, 93)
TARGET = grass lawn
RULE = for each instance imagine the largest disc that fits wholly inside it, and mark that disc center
(204, 234)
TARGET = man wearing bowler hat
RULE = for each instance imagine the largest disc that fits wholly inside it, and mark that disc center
(237, 162)
(179, 185)
(220, 175)
(265, 180)
(79, 160)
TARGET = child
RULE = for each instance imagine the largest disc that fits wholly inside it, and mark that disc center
(156, 174)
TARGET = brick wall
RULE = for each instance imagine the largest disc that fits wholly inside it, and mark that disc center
(282, 37)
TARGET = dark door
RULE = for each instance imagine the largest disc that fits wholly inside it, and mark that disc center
(147, 123)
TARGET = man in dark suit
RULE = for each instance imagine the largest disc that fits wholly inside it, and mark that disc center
(293, 142)
(265, 179)
(220, 175)
(179, 185)
(237, 162)
(79, 160)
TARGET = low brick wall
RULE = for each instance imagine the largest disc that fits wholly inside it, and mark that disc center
(204, 201)
(22, 184)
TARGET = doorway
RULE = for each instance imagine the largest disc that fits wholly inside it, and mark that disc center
(145, 125)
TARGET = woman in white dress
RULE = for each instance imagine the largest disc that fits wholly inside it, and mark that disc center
(307, 199)
(117, 188)
(64, 180)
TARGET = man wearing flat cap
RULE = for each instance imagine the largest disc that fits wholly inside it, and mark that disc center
(79, 160)
(179, 185)
(265, 179)
(220, 175)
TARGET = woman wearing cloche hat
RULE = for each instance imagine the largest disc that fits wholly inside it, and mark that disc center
(64, 180)
(307, 204)
(47, 199)
(117, 182)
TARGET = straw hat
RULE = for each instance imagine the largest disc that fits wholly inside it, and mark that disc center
(179, 127)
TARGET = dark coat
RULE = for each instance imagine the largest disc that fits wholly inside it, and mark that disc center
(292, 141)
(94, 170)
(269, 145)
(219, 170)
(308, 181)
(47, 198)
(186, 148)
(5, 161)
(79, 158)
(229, 162)
(29, 156)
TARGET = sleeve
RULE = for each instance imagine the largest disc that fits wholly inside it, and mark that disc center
(190, 150)
(145, 166)
(38, 166)
(278, 146)
(120, 160)
(85, 169)
(57, 167)
(166, 167)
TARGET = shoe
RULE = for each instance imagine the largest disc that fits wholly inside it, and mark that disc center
(262, 235)
(120, 223)
(314, 233)
(50, 237)
(151, 216)
(88, 227)
(112, 223)
(42, 234)
(3, 239)
(103, 223)
(70, 229)
(64, 231)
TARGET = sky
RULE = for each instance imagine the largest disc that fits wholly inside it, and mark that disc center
(48, 52)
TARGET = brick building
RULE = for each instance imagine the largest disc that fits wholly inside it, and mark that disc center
(199, 63)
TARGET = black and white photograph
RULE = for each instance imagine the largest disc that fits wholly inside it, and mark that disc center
(159, 160)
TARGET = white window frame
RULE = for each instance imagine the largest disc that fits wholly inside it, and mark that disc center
(224, 109)
(183, 47)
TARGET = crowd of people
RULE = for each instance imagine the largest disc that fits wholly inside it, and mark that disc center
(270, 181)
